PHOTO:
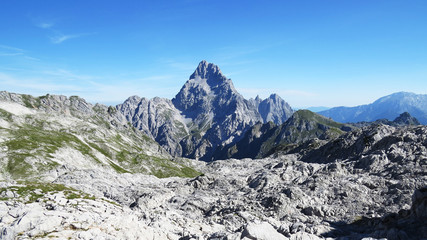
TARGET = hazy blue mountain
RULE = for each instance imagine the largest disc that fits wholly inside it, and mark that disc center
(388, 107)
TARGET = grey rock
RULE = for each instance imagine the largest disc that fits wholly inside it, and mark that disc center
(261, 231)
(157, 118)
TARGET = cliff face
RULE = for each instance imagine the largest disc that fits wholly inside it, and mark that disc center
(207, 113)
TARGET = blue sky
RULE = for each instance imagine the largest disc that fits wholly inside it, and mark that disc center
(311, 53)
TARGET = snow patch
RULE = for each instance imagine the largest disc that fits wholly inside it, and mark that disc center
(16, 109)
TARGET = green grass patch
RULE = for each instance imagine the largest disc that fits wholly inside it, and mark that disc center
(30, 101)
(118, 168)
(33, 141)
(6, 115)
(167, 168)
(34, 191)
(101, 149)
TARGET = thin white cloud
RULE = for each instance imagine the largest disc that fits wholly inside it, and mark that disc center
(11, 48)
(57, 36)
(45, 25)
(60, 38)
(31, 58)
(8, 51)
(10, 54)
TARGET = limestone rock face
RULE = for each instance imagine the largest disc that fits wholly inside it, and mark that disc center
(375, 189)
(157, 118)
(207, 113)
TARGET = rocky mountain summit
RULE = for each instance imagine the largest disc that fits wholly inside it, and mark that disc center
(206, 113)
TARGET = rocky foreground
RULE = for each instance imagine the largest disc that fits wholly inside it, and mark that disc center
(370, 183)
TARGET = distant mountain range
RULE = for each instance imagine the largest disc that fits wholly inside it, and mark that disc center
(388, 107)
(209, 120)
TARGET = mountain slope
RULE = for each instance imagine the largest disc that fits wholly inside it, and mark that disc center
(264, 139)
(388, 107)
(157, 118)
(39, 135)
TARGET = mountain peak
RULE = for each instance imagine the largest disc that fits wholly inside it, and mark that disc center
(207, 70)
(388, 107)
(406, 119)
(275, 97)
(274, 109)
